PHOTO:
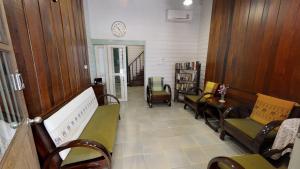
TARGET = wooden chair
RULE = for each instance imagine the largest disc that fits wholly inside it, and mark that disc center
(251, 161)
(257, 130)
(197, 101)
(158, 92)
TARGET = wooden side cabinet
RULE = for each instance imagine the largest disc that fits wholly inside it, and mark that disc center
(100, 89)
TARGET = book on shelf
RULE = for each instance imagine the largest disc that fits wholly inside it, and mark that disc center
(183, 87)
(188, 65)
(187, 77)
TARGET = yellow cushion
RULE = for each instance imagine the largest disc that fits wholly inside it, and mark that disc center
(252, 161)
(210, 87)
(102, 128)
(269, 108)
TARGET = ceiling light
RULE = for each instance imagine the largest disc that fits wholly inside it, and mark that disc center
(187, 2)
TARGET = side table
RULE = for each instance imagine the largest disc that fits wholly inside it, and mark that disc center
(215, 109)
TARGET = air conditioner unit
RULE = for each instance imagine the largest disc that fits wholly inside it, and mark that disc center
(179, 15)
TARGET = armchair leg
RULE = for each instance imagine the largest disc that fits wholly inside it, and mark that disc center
(222, 135)
(150, 105)
(185, 106)
(196, 115)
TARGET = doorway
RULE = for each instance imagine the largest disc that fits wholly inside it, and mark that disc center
(117, 71)
(111, 61)
(120, 67)
(136, 65)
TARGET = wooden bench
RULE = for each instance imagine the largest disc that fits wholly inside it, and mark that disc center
(90, 130)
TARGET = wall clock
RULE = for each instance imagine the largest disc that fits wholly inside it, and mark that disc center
(119, 29)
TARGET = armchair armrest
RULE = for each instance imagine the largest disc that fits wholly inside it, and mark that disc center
(169, 88)
(205, 94)
(225, 115)
(109, 95)
(194, 89)
(149, 91)
(237, 114)
(213, 164)
(272, 152)
(266, 130)
(80, 143)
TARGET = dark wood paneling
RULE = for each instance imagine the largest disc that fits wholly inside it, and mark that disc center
(56, 88)
(219, 38)
(38, 48)
(63, 59)
(23, 53)
(49, 40)
(263, 48)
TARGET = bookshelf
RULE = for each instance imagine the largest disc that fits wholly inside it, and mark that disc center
(187, 75)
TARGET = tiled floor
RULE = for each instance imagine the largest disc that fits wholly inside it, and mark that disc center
(165, 137)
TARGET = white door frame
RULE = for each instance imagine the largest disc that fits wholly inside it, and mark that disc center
(123, 70)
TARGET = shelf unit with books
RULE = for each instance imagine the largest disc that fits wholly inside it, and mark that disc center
(187, 75)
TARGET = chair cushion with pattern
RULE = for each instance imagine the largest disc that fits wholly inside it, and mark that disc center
(267, 109)
(210, 87)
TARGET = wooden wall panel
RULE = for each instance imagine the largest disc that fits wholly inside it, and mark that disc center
(38, 47)
(262, 55)
(220, 28)
(55, 82)
(49, 40)
(284, 77)
(63, 59)
(23, 52)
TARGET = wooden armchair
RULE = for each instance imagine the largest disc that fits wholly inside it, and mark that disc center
(252, 161)
(258, 130)
(158, 92)
(196, 101)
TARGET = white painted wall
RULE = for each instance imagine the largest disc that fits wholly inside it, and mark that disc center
(92, 59)
(133, 52)
(166, 42)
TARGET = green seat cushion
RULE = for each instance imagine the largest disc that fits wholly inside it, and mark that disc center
(250, 127)
(194, 98)
(253, 161)
(101, 128)
(160, 93)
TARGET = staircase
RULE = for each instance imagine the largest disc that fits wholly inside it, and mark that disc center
(135, 71)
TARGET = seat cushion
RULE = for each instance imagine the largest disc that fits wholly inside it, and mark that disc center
(253, 161)
(248, 126)
(160, 93)
(269, 109)
(101, 128)
(194, 98)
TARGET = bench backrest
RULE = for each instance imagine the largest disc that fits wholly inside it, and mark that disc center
(69, 121)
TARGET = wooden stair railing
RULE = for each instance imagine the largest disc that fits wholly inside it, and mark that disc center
(135, 70)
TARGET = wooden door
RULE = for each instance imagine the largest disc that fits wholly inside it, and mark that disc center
(17, 149)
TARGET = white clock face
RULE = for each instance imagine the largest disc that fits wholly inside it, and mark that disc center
(118, 28)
